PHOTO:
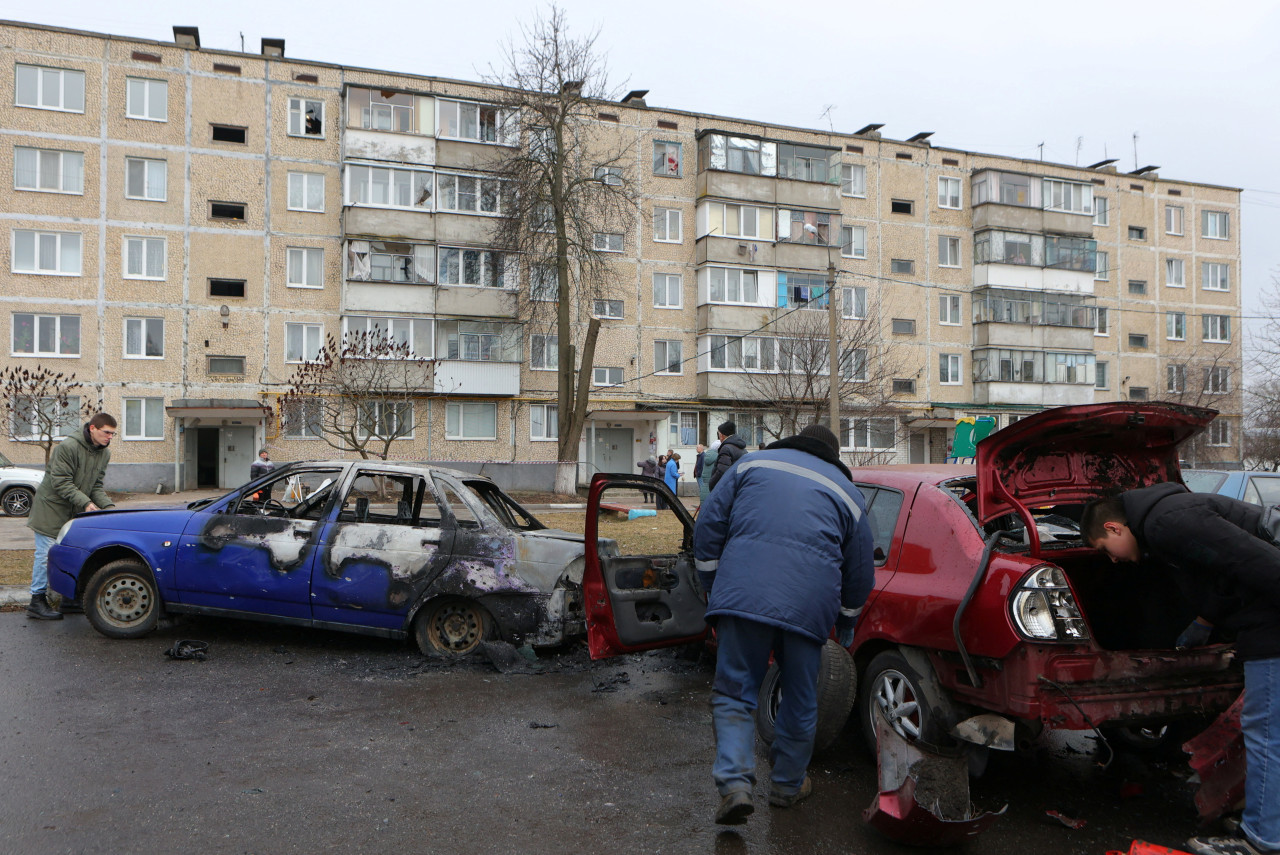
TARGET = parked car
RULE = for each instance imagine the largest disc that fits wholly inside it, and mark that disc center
(17, 487)
(990, 620)
(1257, 488)
(368, 547)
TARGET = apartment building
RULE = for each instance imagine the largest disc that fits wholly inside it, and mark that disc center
(187, 226)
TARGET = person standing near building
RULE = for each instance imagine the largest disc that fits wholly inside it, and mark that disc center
(784, 550)
(261, 466)
(732, 447)
(72, 484)
(1224, 563)
(649, 469)
(672, 474)
(708, 466)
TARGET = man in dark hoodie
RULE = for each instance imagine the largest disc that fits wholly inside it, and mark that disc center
(72, 484)
(731, 448)
(1224, 564)
(783, 549)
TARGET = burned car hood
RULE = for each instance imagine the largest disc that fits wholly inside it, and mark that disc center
(1068, 455)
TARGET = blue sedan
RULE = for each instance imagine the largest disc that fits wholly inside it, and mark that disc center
(1256, 488)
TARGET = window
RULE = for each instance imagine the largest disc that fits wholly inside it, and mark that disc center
(901, 206)
(144, 338)
(544, 352)
(803, 162)
(305, 267)
(904, 387)
(383, 187)
(478, 122)
(1175, 326)
(229, 134)
(544, 283)
(853, 303)
(145, 179)
(301, 419)
(544, 422)
(731, 285)
(608, 242)
(49, 88)
(949, 310)
(902, 265)
(1101, 211)
(1215, 224)
(390, 261)
(904, 326)
(385, 419)
(1175, 273)
(48, 171)
(666, 290)
(469, 194)
(414, 333)
(226, 287)
(948, 192)
(380, 110)
(737, 221)
(682, 430)
(1217, 380)
(1137, 341)
(1100, 327)
(606, 376)
(948, 251)
(853, 365)
(1138, 393)
(226, 365)
(146, 99)
(306, 117)
(302, 342)
(1215, 276)
(144, 258)
(853, 241)
(226, 211)
(1100, 378)
(33, 418)
(949, 369)
(1137, 233)
(666, 159)
(666, 225)
(46, 253)
(1216, 328)
(611, 309)
(1219, 432)
(866, 433)
(611, 175)
(1173, 219)
(144, 418)
(668, 357)
(853, 179)
(1177, 379)
(1103, 271)
(1137, 286)
(46, 335)
(1067, 196)
(481, 268)
(807, 227)
(306, 191)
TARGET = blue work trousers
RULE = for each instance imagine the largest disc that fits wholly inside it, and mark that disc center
(1260, 721)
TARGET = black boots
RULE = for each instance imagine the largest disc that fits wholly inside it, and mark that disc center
(39, 609)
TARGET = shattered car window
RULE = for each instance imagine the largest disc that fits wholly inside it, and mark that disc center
(376, 497)
(300, 495)
(461, 510)
(503, 506)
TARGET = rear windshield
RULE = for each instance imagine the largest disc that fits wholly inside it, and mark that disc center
(1203, 482)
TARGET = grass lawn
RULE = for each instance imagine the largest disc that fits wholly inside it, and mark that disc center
(660, 535)
(15, 566)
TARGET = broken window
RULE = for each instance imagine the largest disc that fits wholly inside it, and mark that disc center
(385, 499)
(810, 227)
(380, 110)
(386, 187)
(306, 117)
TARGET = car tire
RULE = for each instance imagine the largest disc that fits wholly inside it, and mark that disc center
(16, 501)
(453, 627)
(917, 712)
(837, 690)
(121, 600)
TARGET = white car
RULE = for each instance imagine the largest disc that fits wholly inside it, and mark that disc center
(17, 487)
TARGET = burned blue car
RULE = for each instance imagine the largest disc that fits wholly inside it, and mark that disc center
(385, 549)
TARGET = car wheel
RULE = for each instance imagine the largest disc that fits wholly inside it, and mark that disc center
(894, 687)
(452, 627)
(837, 689)
(17, 501)
(121, 600)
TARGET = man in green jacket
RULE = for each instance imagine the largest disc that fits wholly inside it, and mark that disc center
(72, 484)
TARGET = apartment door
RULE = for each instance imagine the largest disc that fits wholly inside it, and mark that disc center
(917, 448)
(613, 452)
(236, 449)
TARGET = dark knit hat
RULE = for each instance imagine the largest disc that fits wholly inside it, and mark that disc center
(729, 428)
(822, 433)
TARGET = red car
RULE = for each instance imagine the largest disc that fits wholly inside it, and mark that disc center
(990, 619)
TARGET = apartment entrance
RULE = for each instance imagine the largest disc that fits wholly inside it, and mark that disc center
(613, 450)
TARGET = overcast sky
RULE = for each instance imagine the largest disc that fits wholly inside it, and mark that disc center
(1198, 83)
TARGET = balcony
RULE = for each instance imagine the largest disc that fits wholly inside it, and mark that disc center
(468, 377)
(1007, 200)
(1033, 319)
(1039, 377)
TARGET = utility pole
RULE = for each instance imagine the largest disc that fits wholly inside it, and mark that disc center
(833, 316)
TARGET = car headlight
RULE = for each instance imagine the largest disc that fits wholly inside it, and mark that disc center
(1044, 608)
(62, 532)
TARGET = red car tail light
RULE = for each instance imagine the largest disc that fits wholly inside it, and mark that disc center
(1044, 609)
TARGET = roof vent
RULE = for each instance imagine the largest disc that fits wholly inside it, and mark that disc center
(187, 37)
(922, 137)
(636, 97)
(872, 131)
(1100, 164)
(273, 47)
(1148, 171)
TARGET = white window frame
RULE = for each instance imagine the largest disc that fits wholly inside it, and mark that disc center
(41, 81)
(607, 242)
(305, 331)
(300, 257)
(669, 281)
(734, 278)
(1220, 432)
(381, 412)
(949, 310)
(661, 156)
(298, 105)
(153, 94)
(857, 241)
(145, 243)
(1101, 211)
(301, 188)
(752, 212)
(1215, 329)
(1170, 226)
(1100, 379)
(1175, 326)
(542, 416)
(483, 183)
(491, 265)
(449, 127)
(665, 346)
(1215, 225)
(672, 220)
(853, 180)
(1176, 378)
(853, 302)
(35, 337)
(62, 170)
(550, 352)
(544, 283)
(1101, 325)
(854, 366)
(1102, 270)
(303, 420)
(950, 199)
(609, 175)
(860, 440)
(1215, 276)
(595, 376)
(1069, 196)
(155, 188)
(949, 369)
(394, 326)
(141, 406)
(608, 305)
(422, 179)
(38, 237)
(948, 251)
(1217, 380)
(456, 419)
(1175, 273)
(143, 325)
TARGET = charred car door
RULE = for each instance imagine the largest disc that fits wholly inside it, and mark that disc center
(646, 594)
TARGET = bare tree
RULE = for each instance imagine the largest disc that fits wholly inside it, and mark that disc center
(40, 405)
(1206, 378)
(570, 196)
(1262, 426)
(358, 394)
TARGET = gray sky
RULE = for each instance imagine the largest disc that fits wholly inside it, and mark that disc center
(1196, 82)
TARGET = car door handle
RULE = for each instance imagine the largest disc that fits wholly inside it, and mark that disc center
(302, 533)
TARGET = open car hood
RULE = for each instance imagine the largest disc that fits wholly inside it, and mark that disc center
(1068, 455)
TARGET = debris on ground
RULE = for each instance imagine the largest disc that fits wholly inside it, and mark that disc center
(507, 659)
(1069, 822)
(611, 683)
(188, 649)
(1142, 847)
(1217, 756)
(537, 725)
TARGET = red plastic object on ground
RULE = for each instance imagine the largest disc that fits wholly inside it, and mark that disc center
(1217, 755)
(1142, 847)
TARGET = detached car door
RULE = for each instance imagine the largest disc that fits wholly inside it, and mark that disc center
(645, 593)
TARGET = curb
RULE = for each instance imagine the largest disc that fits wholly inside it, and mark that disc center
(14, 595)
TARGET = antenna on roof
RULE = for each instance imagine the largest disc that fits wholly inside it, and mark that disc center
(242, 41)
(1041, 147)
(1079, 145)
(826, 114)
(1135, 149)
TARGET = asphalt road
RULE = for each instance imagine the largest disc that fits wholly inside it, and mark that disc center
(288, 740)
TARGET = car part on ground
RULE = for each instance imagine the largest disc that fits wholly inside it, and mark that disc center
(188, 648)
(837, 690)
(16, 501)
(1217, 756)
(120, 600)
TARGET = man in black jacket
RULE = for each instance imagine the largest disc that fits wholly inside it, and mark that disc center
(1224, 564)
(731, 448)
